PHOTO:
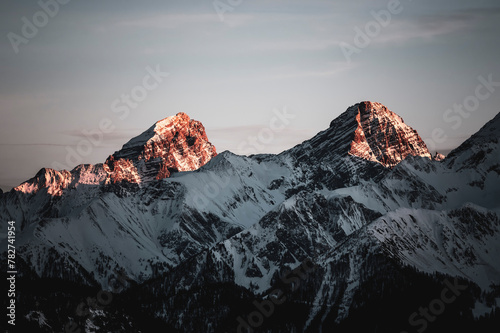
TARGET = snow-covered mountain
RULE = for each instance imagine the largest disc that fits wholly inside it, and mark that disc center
(437, 217)
(363, 200)
(173, 144)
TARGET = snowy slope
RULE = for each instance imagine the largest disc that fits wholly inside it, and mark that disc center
(356, 198)
(421, 214)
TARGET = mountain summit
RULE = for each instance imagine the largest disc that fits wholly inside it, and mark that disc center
(367, 130)
(347, 236)
(176, 143)
(382, 136)
(173, 144)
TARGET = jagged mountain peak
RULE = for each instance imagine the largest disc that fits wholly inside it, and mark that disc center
(178, 121)
(366, 109)
(176, 143)
(229, 232)
(169, 129)
(368, 130)
(382, 136)
(54, 181)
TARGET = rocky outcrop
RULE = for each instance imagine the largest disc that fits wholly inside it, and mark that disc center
(367, 130)
(382, 136)
(54, 181)
(438, 157)
(173, 144)
(365, 142)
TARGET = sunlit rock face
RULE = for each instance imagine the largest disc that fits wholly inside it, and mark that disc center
(173, 144)
(382, 136)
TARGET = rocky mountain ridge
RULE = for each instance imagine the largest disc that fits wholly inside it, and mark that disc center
(363, 200)
(174, 144)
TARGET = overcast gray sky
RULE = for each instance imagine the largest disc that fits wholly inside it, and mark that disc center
(233, 68)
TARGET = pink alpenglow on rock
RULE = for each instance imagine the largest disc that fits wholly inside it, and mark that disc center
(173, 144)
(382, 136)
